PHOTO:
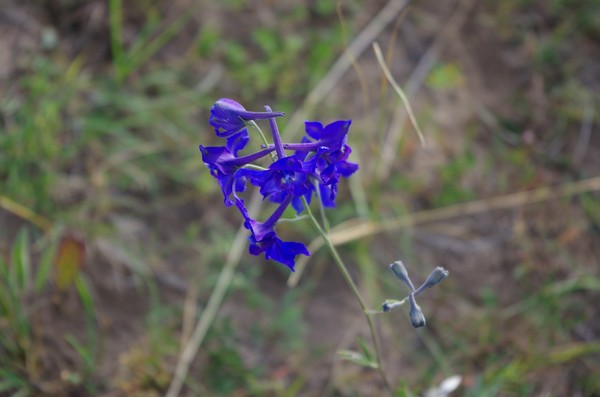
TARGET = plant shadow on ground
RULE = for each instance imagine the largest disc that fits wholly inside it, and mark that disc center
(112, 233)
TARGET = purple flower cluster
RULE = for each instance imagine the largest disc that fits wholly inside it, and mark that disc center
(317, 162)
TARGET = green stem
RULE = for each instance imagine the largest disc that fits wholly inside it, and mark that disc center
(116, 35)
(262, 135)
(348, 278)
(321, 208)
(255, 167)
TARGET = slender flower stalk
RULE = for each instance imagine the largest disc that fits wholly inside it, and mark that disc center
(348, 278)
(324, 219)
(266, 143)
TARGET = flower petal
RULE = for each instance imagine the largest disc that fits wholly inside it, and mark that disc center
(238, 141)
(314, 129)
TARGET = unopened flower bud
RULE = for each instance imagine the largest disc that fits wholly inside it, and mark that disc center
(229, 117)
(435, 277)
(417, 318)
(391, 304)
(400, 272)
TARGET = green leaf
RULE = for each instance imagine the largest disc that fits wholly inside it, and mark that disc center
(4, 269)
(21, 263)
(365, 349)
(357, 358)
(44, 267)
(85, 295)
(573, 351)
(13, 383)
(84, 352)
(445, 77)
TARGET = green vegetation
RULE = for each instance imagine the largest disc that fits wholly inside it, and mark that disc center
(24, 292)
(111, 242)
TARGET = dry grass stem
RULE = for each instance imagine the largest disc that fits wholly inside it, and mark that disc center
(399, 91)
(416, 79)
(25, 213)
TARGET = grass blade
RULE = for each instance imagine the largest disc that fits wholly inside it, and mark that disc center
(45, 266)
(21, 262)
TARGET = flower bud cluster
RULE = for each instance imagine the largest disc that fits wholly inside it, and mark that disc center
(417, 318)
(317, 162)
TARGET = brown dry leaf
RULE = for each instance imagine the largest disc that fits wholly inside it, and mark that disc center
(68, 261)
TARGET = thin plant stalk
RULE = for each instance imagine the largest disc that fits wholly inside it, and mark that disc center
(348, 278)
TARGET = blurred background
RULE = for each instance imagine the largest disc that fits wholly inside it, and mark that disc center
(113, 233)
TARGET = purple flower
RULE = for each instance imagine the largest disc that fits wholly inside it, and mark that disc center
(285, 178)
(216, 159)
(224, 166)
(261, 229)
(333, 136)
(274, 248)
(238, 141)
(229, 117)
(264, 239)
(319, 161)
(325, 158)
(329, 167)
